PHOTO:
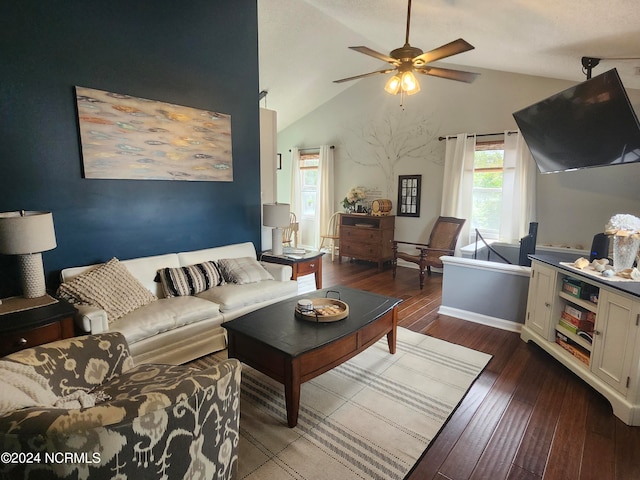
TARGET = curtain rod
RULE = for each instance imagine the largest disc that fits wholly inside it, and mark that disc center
(314, 148)
(510, 132)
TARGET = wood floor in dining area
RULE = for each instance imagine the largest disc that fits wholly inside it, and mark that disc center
(526, 417)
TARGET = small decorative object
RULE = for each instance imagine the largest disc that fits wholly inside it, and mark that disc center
(305, 306)
(600, 264)
(625, 230)
(630, 273)
(581, 263)
(381, 207)
(409, 195)
(355, 195)
(322, 310)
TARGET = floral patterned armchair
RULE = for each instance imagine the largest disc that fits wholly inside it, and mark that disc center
(148, 421)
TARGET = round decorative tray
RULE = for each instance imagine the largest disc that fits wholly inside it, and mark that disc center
(325, 310)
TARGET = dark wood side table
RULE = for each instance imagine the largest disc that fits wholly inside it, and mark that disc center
(36, 326)
(302, 264)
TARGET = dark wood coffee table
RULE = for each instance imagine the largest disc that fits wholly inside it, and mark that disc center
(293, 351)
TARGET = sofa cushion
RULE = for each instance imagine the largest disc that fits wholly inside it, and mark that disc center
(243, 270)
(110, 287)
(163, 315)
(190, 280)
(232, 296)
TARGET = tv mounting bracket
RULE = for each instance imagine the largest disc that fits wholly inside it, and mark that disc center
(588, 63)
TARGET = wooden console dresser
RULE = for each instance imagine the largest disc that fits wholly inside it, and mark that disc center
(365, 237)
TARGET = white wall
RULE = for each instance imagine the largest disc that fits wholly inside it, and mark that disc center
(268, 128)
(376, 140)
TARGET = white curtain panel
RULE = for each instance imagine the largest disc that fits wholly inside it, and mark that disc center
(457, 190)
(327, 200)
(518, 189)
(294, 199)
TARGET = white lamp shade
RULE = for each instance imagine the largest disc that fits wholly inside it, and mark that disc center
(26, 232)
(276, 214)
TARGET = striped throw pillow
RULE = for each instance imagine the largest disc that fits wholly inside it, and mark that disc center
(183, 281)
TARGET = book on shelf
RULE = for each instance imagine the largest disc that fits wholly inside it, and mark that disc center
(577, 313)
(585, 325)
(573, 348)
(569, 327)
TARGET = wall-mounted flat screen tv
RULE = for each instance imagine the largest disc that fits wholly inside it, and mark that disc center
(591, 124)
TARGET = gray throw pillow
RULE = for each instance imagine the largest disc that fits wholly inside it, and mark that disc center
(243, 270)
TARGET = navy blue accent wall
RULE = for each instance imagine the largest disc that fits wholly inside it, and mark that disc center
(198, 53)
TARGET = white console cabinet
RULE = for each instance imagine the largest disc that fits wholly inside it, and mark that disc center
(611, 362)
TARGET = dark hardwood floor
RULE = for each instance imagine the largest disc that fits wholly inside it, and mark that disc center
(526, 417)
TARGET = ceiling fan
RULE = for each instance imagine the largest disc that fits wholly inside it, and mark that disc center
(407, 59)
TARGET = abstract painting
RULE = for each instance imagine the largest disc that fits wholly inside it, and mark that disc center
(125, 137)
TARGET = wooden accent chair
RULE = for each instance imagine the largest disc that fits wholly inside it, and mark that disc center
(290, 233)
(442, 241)
(332, 234)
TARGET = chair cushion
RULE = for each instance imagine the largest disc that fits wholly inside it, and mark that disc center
(190, 280)
(243, 270)
(110, 287)
(162, 315)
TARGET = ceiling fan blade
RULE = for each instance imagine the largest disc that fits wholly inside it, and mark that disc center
(459, 75)
(348, 79)
(453, 48)
(373, 53)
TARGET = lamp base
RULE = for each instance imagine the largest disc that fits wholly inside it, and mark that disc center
(276, 241)
(32, 273)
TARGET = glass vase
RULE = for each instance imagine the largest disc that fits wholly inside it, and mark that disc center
(625, 251)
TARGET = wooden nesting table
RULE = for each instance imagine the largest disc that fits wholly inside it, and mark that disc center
(293, 351)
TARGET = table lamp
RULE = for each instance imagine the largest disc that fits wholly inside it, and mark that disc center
(28, 234)
(276, 215)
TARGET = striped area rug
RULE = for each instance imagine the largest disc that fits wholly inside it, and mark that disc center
(369, 418)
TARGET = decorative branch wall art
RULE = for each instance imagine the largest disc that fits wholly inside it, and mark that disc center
(391, 139)
(125, 137)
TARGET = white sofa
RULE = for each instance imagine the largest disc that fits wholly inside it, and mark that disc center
(176, 330)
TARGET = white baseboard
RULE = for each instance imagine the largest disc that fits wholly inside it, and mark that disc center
(480, 318)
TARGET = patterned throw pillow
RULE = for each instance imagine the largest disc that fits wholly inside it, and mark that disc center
(183, 281)
(110, 287)
(243, 270)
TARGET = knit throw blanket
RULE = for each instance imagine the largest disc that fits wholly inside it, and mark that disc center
(23, 387)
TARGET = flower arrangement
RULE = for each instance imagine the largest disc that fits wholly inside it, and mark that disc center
(353, 196)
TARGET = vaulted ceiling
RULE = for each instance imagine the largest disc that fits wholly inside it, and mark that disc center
(303, 43)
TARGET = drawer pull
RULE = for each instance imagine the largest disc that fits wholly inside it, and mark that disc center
(312, 265)
(21, 341)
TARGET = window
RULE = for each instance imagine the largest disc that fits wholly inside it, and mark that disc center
(309, 184)
(487, 188)
(309, 199)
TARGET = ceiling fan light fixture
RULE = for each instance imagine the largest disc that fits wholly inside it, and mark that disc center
(410, 83)
(393, 85)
